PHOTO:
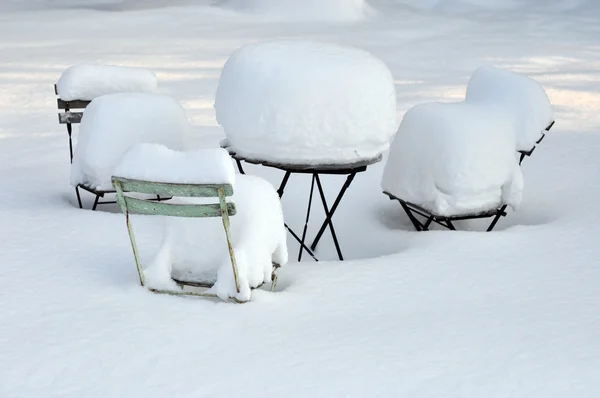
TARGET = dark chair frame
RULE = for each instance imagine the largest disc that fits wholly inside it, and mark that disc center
(529, 152)
(416, 213)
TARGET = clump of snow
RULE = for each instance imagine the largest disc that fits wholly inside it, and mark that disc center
(453, 159)
(305, 102)
(522, 99)
(196, 248)
(86, 82)
(321, 10)
(155, 162)
(113, 123)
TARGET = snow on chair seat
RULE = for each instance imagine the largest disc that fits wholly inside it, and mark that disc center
(441, 167)
(80, 84)
(523, 101)
(112, 124)
(192, 259)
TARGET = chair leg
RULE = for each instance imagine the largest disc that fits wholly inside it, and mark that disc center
(501, 212)
(411, 217)
(226, 225)
(450, 225)
(96, 202)
(78, 197)
(425, 226)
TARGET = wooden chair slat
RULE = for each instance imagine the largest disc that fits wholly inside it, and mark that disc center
(173, 189)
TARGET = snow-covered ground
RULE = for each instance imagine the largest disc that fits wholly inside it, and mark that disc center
(513, 313)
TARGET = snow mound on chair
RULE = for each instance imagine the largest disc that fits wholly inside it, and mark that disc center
(454, 159)
(114, 123)
(196, 249)
(87, 82)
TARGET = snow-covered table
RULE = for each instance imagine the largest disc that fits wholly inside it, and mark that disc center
(307, 107)
(316, 170)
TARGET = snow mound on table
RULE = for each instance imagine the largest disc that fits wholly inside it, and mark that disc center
(522, 99)
(302, 102)
(155, 162)
(113, 123)
(321, 10)
(454, 159)
(86, 82)
(196, 248)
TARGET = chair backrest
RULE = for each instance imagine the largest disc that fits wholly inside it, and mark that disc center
(69, 116)
(166, 189)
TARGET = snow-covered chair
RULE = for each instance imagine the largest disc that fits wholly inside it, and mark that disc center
(192, 259)
(307, 107)
(111, 125)
(442, 168)
(80, 84)
(522, 100)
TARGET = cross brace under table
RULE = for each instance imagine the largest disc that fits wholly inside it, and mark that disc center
(350, 170)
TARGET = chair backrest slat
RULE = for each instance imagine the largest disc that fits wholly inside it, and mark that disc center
(176, 210)
(75, 104)
(172, 189)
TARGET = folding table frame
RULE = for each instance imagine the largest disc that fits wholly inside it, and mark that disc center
(316, 171)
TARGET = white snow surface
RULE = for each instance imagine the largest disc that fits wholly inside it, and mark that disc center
(113, 123)
(303, 102)
(196, 248)
(86, 82)
(461, 314)
(441, 161)
(155, 162)
(522, 100)
(305, 10)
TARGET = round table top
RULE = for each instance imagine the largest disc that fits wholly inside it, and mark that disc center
(305, 167)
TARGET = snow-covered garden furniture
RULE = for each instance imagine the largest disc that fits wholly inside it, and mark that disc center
(522, 100)
(307, 107)
(111, 125)
(80, 84)
(453, 161)
(193, 259)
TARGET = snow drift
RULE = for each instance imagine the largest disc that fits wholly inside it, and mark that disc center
(321, 10)
(297, 101)
(113, 123)
(454, 159)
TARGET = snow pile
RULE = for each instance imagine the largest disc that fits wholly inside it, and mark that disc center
(86, 82)
(453, 159)
(321, 10)
(469, 6)
(113, 123)
(521, 99)
(196, 248)
(302, 102)
(155, 162)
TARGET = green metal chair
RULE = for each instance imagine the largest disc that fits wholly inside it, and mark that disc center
(221, 209)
